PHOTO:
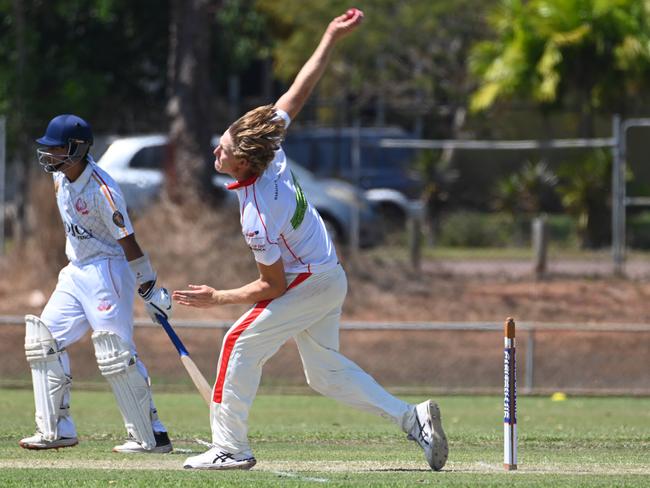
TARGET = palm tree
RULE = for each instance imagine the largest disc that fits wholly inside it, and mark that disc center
(591, 53)
(520, 194)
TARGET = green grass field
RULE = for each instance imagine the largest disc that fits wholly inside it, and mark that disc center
(313, 441)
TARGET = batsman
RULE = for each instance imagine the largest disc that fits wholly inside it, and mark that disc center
(94, 291)
(301, 286)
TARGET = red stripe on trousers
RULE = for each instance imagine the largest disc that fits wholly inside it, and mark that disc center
(234, 335)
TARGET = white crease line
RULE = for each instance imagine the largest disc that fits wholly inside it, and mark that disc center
(302, 478)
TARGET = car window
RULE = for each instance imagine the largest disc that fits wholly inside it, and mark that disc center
(149, 157)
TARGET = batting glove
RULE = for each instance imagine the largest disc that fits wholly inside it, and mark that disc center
(157, 301)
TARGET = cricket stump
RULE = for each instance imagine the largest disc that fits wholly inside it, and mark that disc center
(509, 397)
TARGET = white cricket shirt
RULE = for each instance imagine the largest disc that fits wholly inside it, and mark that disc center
(279, 222)
(94, 215)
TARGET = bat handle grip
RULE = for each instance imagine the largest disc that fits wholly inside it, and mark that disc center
(180, 347)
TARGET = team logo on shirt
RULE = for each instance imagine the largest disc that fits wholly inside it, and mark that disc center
(104, 306)
(81, 206)
(118, 219)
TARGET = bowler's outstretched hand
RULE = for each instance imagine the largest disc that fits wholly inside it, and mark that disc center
(346, 23)
(198, 296)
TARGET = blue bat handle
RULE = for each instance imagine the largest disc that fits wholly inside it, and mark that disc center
(172, 335)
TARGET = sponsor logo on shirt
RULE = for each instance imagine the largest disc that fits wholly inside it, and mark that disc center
(260, 247)
(81, 206)
(75, 230)
(118, 219)
(255, 241)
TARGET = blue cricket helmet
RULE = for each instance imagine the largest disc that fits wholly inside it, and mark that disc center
(68, 131)
(65, 129)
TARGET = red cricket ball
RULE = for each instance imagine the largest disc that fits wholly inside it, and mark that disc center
(350, 13)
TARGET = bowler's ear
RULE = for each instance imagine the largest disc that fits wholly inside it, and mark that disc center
(244, 164)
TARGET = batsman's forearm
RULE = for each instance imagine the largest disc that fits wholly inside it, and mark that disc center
(130, 247)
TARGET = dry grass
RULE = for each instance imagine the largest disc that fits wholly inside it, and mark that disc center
(199, 244)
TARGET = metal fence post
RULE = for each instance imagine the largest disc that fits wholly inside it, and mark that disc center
(414, 224)
(618, 199)
(540, 245)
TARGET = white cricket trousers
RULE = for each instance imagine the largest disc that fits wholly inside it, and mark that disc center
(309, 311)
(97, 296)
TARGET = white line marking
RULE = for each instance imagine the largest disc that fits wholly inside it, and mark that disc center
(303, 478)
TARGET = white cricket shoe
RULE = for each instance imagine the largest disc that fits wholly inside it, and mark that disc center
(38, 442)
(427, 432)
(163, 445)
(217, 458)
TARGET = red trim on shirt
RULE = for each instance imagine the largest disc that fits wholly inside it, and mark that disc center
(257, 207)
(107, 187)
(232, 337)
(242, 183)
(292, 253)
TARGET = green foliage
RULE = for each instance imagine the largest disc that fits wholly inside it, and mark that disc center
(493, 230)
(584, 189)
(521, 192)
(437, 175)
(242, 35)
(638, 227)
(91, 58)
(474, 229)
(597, 51)
(411, 53)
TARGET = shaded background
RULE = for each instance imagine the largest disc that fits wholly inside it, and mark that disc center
(459, 69)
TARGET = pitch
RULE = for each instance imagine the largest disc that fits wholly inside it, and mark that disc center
(308, 440)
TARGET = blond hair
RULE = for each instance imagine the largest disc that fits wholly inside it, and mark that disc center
(256, 136)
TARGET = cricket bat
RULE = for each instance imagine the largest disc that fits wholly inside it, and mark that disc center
(197, 378)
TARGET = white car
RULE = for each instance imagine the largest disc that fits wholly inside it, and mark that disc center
(135, 163)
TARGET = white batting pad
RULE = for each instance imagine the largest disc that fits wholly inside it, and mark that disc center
(48, 376)
(118, 365)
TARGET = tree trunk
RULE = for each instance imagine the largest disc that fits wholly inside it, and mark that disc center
(189, 101)
(17, 120)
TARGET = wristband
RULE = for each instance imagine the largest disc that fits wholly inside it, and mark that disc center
(142, 270)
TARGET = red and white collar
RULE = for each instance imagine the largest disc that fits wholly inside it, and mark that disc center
(242, 183)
